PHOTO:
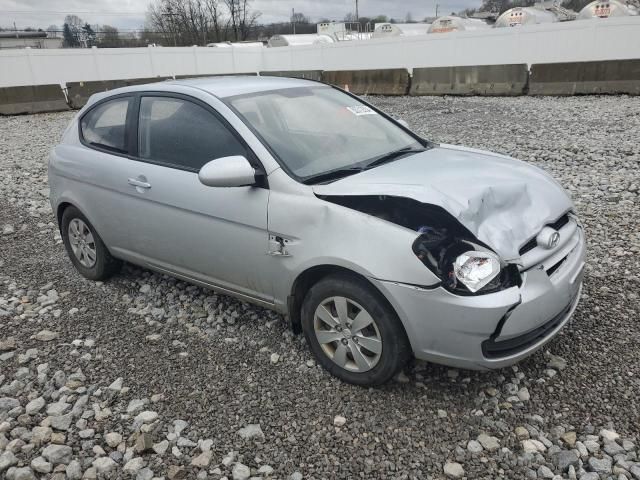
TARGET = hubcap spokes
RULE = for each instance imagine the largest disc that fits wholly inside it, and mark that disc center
(347, 334)
(82, 243)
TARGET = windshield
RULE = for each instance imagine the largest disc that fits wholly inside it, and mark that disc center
(317, 130)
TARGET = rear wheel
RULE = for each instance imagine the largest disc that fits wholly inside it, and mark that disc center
(85, 247)
(352, 331)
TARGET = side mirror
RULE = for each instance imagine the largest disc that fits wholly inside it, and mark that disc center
(402, 122)
(227, 172)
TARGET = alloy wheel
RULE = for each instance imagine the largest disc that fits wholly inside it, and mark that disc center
(82, 243)
(347, 334)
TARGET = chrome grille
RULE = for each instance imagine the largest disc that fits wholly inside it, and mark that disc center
(550, 259)
(557, 225)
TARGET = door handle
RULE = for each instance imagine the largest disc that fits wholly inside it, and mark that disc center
(138, 183)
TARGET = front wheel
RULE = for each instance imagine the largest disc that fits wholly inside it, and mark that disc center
(85, 248)
(352, 331)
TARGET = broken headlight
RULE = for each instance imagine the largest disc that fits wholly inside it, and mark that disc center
(476, 269)
(464, 267)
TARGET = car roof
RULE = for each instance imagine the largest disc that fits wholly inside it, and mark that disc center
(231, 85)
(218, 86)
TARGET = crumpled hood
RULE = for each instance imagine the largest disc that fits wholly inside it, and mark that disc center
(504, 202)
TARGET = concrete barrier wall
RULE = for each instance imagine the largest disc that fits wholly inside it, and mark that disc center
(32, 99)
(306, 74)
(370, 82)
(583, 78)
(79, 92)
(607, 77)
(243, 74)
(474, 80)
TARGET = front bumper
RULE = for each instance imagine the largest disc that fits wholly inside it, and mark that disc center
(494, 330)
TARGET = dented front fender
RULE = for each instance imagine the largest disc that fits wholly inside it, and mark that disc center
(318, 232)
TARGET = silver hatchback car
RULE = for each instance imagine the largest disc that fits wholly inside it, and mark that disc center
(300, 197)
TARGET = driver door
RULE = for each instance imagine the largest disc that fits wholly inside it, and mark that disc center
(213, 235)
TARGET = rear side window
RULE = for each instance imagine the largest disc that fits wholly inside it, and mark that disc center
(105, 125)
(181, 133)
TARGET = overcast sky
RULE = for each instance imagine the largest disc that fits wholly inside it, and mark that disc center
(131, 13)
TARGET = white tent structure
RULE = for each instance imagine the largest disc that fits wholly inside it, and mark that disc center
(296, 40)
(450, 23)
(343, 31)
(235, 44)
(518, 16)
(547, 11)
(383, 30)
(515, 17)
(608, 8)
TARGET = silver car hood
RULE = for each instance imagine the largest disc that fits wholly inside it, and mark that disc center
(504, 202)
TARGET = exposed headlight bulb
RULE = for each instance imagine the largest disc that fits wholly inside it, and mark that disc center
(476, 269)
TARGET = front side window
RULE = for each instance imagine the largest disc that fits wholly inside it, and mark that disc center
(181, 133)
(104, 126)
(317, 130)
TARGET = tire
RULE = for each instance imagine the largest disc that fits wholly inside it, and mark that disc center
(94, 260)
(324, 335)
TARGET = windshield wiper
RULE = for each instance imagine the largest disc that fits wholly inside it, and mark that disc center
(345, 172)
(332, 175)
(388, 157)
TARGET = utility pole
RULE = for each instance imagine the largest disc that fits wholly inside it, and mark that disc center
(437, 10)
(170, 14)
(357, 16)
(293, 20)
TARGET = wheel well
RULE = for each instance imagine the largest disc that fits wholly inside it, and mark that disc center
(61, 208)
(308, 279)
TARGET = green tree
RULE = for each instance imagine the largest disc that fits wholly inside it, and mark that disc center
(72, 31)
(576, 5)
(299, 18)
(109, 37)
(499, 6)
(363, 22)
(89, 35)
(380, 19)
(69, 39)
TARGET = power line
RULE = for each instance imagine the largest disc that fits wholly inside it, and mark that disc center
(51, 12)
(119, 30)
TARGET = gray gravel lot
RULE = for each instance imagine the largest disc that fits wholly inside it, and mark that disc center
(146, 376)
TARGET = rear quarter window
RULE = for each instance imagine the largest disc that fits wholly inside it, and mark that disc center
(105, 125)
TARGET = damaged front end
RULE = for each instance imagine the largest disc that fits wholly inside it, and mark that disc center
(464, 264)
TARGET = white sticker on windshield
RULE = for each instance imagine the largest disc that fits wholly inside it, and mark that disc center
(361, 110)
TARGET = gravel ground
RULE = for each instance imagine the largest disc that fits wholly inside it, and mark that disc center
(145, 376)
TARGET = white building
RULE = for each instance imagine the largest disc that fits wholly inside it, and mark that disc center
(13, 39)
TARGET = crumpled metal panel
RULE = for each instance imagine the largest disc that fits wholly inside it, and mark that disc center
(323, 233)
(504, 202)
